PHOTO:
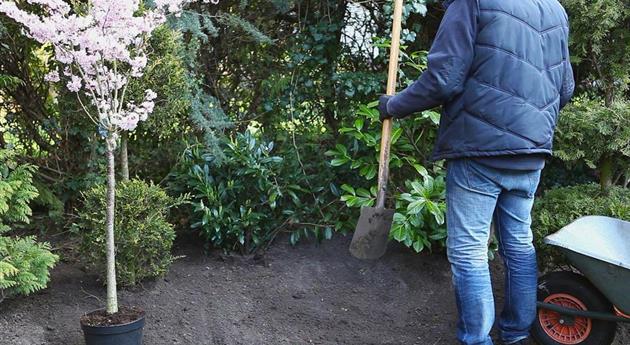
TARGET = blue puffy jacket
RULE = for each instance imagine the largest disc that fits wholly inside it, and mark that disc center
(501, 71)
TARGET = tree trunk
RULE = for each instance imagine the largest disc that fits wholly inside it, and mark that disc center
(112, 298)
(124, 157)
(606, 164)
(606, 171)
(609, 97)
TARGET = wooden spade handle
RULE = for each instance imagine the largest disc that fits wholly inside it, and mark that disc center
(386, 137)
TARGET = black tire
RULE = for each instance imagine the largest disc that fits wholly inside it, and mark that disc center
(578, 287)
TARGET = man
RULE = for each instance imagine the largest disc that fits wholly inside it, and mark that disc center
(500, 69)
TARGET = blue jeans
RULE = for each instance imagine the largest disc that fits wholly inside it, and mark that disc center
(476, 195)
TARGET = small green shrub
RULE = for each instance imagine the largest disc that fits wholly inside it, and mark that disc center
(24, 263)
(144, 237)
(561, 206)
(24, 266)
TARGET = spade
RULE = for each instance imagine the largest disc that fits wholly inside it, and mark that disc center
(372, 232)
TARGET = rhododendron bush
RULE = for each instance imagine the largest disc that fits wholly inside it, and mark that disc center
(99, 46)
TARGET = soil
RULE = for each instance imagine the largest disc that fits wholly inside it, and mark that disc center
(308, 294)
(100, 318)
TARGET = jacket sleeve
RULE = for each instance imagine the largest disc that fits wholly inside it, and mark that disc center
(449, 62)
(568, 82)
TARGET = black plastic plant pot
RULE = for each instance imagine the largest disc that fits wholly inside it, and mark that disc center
(126, 334)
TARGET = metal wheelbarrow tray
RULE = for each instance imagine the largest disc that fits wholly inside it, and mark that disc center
(585, 308)
(600, 248)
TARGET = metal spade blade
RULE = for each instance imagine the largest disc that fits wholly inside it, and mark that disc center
(371, 234)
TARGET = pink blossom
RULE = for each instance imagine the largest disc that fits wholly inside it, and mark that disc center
(74, 84)
(67, 71)
(137, 65)
(148, 108)
(105, 46)
(52, 76)
(150, 95)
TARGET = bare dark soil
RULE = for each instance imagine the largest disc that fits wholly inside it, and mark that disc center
(100, 318)
(309, 294)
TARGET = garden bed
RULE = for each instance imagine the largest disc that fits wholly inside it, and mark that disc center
(309, 294)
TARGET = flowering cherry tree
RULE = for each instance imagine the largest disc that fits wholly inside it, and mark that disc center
(99, 47)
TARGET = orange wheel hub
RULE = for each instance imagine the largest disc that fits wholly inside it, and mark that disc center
(565, 329)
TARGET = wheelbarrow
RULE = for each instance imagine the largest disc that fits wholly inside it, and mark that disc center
(585, 308)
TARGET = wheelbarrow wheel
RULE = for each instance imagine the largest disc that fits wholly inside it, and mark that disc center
(572, 290)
